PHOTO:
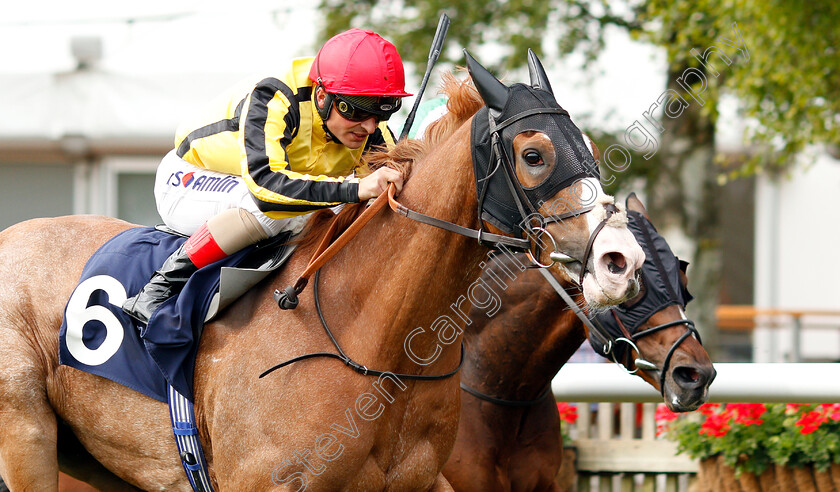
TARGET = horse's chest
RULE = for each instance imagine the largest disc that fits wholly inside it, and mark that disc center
(416, 468)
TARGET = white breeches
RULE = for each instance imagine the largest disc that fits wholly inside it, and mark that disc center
(187, 196)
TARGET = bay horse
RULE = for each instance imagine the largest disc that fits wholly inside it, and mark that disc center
(509, 433)
(391, 296)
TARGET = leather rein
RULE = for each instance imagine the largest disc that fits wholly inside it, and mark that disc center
(288, 297)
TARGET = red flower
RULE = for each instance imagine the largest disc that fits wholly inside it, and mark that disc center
(716, 424)
(663, 416)
(708, 408)
(567, 412)
(747, 413)
(811, 421)
(831, 410)
(662, 413)
(792, 407)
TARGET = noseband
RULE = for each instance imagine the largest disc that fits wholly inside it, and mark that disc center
(611, 343)
(559, 257)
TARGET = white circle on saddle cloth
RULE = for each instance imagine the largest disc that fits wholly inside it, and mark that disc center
(187, 196)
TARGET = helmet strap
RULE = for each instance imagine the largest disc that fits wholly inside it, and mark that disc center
(324, 111)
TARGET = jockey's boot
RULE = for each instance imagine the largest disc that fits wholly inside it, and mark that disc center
(223, 235)
(198, 251)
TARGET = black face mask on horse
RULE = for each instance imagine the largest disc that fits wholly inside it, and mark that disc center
(510, 111)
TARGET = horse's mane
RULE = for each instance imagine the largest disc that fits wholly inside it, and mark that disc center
(463, 101)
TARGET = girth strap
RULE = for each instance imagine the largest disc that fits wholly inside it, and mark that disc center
(182, 416)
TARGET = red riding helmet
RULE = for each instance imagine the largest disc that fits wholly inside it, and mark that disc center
(359, 62)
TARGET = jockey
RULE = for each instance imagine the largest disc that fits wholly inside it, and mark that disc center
(266, 155)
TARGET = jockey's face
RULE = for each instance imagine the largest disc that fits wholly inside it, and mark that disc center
(352, 134)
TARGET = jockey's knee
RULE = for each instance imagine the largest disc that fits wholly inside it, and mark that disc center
(235, 229)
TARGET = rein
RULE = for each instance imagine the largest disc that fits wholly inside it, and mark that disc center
(361, 369)
(288, 297)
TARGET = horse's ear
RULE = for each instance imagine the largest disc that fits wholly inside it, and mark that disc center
(593, 148)
(493, 92)
(539, 79)
(634, 204)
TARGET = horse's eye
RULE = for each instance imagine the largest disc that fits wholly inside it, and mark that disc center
(533, 158)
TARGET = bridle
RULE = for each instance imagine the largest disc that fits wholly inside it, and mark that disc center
(531, 221)
(611, 344)
(288, 298)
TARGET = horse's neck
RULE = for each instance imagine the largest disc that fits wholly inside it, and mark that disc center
(517, 352)
(399, 275)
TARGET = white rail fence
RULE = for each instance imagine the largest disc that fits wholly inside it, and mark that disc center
(615, 435)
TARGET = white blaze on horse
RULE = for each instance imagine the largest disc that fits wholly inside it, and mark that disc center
(316, 423)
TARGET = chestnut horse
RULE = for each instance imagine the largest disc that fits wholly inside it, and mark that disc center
(509, 434)
(316, 424)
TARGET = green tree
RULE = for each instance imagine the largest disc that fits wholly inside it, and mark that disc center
(786, 77)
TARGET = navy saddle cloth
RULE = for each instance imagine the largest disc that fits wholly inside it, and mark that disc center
(98, 337)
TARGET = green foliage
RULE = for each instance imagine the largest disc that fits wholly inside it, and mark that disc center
(789, 85)
(751, 436)
(623, 182)
(511, 26)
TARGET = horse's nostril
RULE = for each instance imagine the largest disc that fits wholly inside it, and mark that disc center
(616, 263)
(688, 376)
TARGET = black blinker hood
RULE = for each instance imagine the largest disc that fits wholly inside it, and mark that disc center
(510, 111)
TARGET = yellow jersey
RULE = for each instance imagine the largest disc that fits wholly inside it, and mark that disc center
(272, 135)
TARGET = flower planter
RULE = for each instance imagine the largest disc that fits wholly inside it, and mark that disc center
(716, 476)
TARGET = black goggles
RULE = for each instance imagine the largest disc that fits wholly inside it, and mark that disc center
(361, 108)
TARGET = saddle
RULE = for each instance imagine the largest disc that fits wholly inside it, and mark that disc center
(97, 337)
